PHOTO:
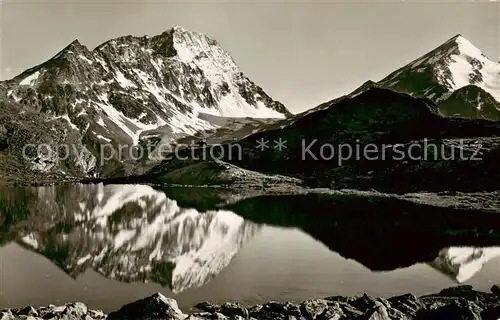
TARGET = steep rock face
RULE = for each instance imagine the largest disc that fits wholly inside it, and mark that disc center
(132, 88)
(31, 142)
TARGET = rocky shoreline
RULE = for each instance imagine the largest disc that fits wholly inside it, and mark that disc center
(460, 302)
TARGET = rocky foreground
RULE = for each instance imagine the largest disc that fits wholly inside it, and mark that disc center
(454, 303)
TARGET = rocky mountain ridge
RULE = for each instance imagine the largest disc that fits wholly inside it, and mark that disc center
(141, 90)
(177, 68)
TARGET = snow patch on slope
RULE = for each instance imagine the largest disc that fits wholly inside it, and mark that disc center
(234, 106)
(66, 117)
(131, 127)
(84, 58)
(29, 80)
(123, 81)
(472, 61)
(220, 69)
(30, 240)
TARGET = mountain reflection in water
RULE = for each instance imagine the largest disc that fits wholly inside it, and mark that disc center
(183, 238)
(132, 233)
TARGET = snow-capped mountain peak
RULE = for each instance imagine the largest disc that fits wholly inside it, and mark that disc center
(131, 87)
(468, 65)
(466, 46)
(192, 45)
(455, 64)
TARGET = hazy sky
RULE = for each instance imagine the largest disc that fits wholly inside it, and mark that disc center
(301, 52)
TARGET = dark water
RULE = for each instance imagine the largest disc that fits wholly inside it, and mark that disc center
(110, 245)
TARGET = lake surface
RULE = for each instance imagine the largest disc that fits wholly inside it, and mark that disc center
(108, 245)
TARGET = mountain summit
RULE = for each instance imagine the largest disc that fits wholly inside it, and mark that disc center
(455, 64)
(130, 86)
(454, 69)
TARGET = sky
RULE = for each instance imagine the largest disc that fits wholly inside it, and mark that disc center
(301, 53)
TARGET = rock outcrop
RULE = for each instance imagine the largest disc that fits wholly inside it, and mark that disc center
(454, 303)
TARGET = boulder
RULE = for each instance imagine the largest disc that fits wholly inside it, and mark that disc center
(333, 312)
(496, 290)
(378, 313)
(456, 309)
(207, 307)
(28, 311)
(156, 306)
(286, 308)
(233, 309)
(311, 309)
(408, 304)
(6, 315)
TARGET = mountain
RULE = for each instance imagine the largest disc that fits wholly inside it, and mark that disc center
(453, 65)
(181, 86)
(127, 232)
(133, 90)
(408, 139)
(438, 74)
